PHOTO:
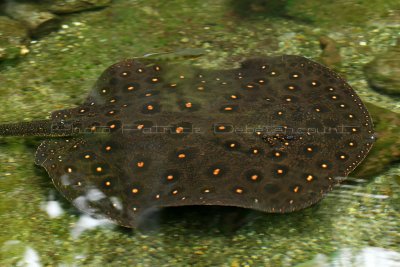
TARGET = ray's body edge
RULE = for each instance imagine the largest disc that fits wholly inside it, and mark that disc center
(42, 158)
(140, 217)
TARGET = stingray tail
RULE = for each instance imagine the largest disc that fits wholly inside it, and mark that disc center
(34, 128)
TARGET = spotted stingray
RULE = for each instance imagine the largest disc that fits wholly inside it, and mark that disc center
(275, 134)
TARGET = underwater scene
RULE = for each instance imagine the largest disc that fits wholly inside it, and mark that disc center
(200, 133)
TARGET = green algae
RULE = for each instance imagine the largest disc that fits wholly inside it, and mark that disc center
(13, 37)
(342, 12)
(386, 149)
(60, 69)
(383, 72)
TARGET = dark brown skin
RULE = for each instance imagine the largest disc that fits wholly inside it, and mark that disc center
(274, 135)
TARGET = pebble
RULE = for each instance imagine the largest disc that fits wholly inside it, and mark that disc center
(71, 6)
(383, 73)
(184, 40)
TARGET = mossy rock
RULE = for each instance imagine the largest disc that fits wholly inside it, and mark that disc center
(386, 149)
(13, 36)
(340, 12)
(383, 73)
(261, 8)
(71, 6)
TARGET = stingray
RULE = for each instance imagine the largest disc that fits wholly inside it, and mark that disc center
(275, 134)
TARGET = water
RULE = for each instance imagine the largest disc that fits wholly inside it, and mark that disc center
(357, 224)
